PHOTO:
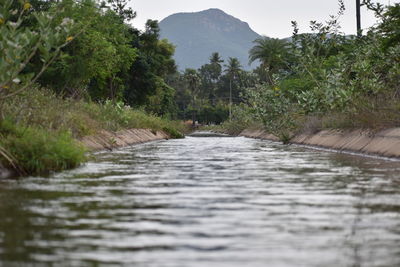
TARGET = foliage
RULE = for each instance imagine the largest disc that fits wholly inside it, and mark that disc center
(274, 109)
(206, 93)
(173, 132)
(35, 151)
(273, 55)
(243, 117)
(93, 62)
(325, 79)
(39, 132)
(213, 114)
(154, 62)
(19, 44)
(94, 66)
(162, 102)
(119, 6)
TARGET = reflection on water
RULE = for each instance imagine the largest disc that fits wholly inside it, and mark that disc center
(206, 201)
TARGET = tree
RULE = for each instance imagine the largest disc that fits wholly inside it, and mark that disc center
(119, 7)
(193, 81)
(210, 74)
(154, 61)
(94, 62)
(233, 69)
(215, 62)
(20, 44)
(272, 53)
(389, 26)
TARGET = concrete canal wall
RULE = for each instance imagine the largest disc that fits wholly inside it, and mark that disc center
(110, 140)
(384, 143)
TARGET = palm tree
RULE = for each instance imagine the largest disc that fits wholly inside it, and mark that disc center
(216, 58)
(215, 70)
(215, 63)
(233, 69)
(192, 79)
(271, 53)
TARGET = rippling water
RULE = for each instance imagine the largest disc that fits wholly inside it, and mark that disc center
(206, 201)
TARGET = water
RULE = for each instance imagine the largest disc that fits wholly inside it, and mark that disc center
(206, 201)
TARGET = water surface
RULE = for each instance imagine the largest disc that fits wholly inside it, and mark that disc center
(206, 201)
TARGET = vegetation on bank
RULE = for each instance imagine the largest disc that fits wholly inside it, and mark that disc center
(72, 68)
(325, 79)
(40, 130)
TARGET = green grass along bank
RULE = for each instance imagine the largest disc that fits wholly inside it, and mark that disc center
(42, 133)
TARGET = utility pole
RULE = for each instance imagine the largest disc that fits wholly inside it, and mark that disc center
(358, 15)
(230, 99)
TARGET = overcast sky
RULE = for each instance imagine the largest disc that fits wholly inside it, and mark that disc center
(267, 17)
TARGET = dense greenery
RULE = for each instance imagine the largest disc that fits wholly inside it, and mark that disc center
(326, 79)
(71, 68)
(41, 136)
(81, 49)
(205, 95)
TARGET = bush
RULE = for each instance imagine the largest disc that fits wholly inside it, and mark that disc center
(38, 129)
(242, 117)
(38, 151)
(173, 133)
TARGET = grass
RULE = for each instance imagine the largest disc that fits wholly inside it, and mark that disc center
(372, 114)
(43, 109)
(38, 130)
(31, 150)
(368, 113)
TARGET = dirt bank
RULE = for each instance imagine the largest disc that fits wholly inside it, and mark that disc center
(110, 140)
(384, 143)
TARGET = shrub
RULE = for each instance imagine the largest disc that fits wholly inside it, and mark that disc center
(38, 151)
(172, 132)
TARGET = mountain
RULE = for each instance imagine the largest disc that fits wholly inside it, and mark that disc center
(197, 35)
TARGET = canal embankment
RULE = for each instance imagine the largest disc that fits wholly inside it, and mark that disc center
(41, 132)
(385, 143)
(107, 140)
(110, 140)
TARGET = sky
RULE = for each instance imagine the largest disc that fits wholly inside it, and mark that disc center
(271, 18)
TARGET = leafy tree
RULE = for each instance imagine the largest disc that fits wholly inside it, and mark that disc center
(273, 55)
(162, 103)
(120, 7)
(20, 44)
(183, 96)
(210, 74)
(390, 23)
(154, 61)
(94, 61)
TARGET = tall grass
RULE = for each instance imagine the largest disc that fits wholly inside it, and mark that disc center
(42, 108)
(32, 150)
(38, 130)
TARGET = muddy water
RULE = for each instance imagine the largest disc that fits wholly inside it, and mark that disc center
(206, 201)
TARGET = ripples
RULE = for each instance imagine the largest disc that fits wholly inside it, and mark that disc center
(207, 200)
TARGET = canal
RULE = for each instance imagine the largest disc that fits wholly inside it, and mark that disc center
(206, 201)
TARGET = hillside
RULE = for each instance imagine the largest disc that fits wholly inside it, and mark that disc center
(197, 35)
